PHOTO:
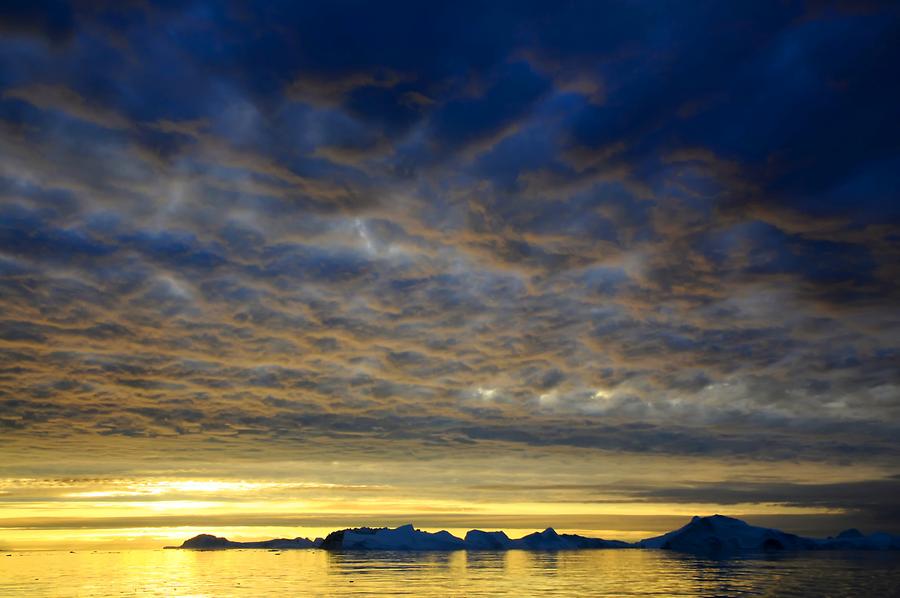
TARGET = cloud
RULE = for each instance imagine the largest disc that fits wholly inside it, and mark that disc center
(50, 20)
(287, 229)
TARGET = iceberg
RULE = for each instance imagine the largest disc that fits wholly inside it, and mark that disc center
(479, 540)
(408, 538)
(405, 537)
(550, 540)
(718, 533)
(210, 542)
(715, 534)
(853, 539)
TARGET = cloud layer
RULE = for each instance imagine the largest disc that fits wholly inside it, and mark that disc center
(390, 229)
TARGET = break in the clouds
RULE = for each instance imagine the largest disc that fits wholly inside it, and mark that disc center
(386, 229)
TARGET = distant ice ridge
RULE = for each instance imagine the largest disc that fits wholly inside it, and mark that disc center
(853, 539)
(210, 542)
(721, 534)
(408, 538)
(716, 534)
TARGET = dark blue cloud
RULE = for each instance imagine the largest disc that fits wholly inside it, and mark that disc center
(548, 224)
(25, 234)
(465, 121)
(51, 19)
(175, 249)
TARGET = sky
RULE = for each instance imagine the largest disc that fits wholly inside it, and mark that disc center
(281, 268)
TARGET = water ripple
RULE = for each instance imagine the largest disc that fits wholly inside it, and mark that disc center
(513, 573)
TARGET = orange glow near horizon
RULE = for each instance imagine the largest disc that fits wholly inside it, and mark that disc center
(151, 512)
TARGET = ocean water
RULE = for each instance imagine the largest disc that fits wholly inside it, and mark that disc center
(513, 573)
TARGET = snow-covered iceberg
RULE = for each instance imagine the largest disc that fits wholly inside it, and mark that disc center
(479, 540)
(408, 538)
(405, 537)
(550, 540)
(718, 533)
(853, 539)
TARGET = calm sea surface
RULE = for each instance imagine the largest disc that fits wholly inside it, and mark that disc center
(514, 573)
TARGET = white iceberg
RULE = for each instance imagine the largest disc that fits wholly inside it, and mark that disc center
(479, 540)
(549, 539)
(719, 533)
(716, 534)
(853, 539)
(405, 537)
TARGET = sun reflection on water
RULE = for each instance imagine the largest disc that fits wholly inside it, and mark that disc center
(459, 573)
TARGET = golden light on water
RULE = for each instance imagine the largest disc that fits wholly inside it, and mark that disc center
(190, 574)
